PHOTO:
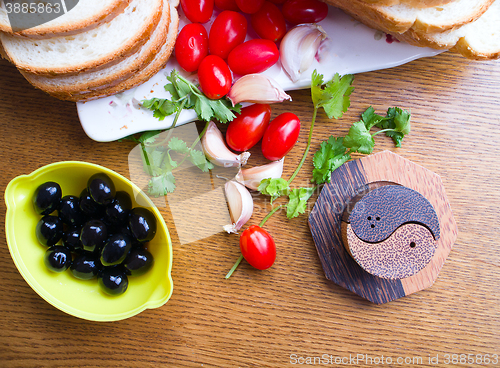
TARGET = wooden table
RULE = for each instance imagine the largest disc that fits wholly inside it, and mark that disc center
(290, 314)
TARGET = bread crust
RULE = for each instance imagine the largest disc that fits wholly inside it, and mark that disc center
(412, 3)
(112, 58)
(145, 56)
(381, 18)
(47, 30)
(135, 79)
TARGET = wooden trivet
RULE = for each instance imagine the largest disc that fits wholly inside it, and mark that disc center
(337, 199)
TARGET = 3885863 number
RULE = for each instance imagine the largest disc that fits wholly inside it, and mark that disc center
(476, 359)
(30, 8)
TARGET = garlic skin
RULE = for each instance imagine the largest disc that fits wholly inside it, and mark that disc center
(252, 176)
(240, 203)
(299, 47)
(216, 150)
(257, 88)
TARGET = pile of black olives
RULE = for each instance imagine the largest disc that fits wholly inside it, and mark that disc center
(96, 235)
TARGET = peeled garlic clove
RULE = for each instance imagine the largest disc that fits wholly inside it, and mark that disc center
(252, 176)
(257, 88)
(216, 150)
(240, 204)
(299, 47)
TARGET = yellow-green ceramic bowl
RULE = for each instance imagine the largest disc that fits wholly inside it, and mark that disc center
(80, 298)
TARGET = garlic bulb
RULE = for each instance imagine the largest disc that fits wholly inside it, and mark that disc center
(240, 204)
(299, 47)
(216, 150)
(257, 88)
(252, 176)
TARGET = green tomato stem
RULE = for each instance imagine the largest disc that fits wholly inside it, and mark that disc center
(234, 267)
(307, 147)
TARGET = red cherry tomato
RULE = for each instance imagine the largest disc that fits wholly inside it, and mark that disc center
(198, 11)
(304, 11)
(214, 77)
(228, 31)
(280, 136)
(249, 6)
(227, 5)
(191, 46)
(253, 56)
(248, 127)
(269, 23)
(277, 2)
(258, 247)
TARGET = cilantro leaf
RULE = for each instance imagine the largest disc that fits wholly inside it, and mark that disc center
(297, 203)
(359, 139)
(332, 96)
(162, 184)
(396, 123)
(370, 118)
(198, 159)
(274, 187)
(178, 145)
(161, 107)
(331, 155)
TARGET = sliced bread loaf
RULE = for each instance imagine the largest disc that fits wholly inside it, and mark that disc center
(135, 79)
(412, 3)
(402, 17)
(107, 44)
(111, 75)
(86, 15)
(476, 40)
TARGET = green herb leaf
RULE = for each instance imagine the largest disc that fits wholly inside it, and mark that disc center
(331, 155)
(162, 185)
(178, 145)
(332, 96)
(198, 159)
(274, 187)
(297, 203)
(359, 139)
(396, 123)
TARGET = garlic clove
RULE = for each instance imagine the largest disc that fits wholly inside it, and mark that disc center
(240, 203)
(252, 176)
(216, 150)
(299, 47)
(257, 88)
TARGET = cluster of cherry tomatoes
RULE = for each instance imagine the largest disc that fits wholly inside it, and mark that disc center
(218, 54)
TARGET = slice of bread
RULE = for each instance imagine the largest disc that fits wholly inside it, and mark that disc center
(107, 44)
(112, 75)
(401, 18)
(135, 79)
(86, 15)
(412, 3)
(476, 40)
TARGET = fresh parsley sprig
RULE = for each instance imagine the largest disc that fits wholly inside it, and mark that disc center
(186, 95)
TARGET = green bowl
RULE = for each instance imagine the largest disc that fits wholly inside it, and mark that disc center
(80, 298)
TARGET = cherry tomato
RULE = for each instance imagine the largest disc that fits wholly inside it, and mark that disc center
(277, 2)
(214, 77)
(253, 56)
(228, 31)
(258, 247)
(249, 6)
(191, 46)
(304, 11)
(198, 11)
(248, 127)
(227, 5)
(280, 136)
(269, 23)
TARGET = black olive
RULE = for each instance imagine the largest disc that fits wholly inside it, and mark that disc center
(93, 234)
(57, 258)
(90, 207)
(47, 197)
(49, 230)
(113, 280)
(115, 250)
(138, 262)
(101, 188)
(118, 210)
(70, 212)
(71, 239)
(85, 266)
(142, 224)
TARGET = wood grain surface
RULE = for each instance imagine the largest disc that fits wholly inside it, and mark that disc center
(290, 314)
